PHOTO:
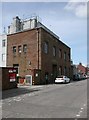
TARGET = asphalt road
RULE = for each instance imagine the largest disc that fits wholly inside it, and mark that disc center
(46, 101)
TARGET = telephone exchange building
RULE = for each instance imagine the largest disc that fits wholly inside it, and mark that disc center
(38, 52)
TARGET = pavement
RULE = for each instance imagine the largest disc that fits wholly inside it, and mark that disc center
(23, 89)
(20, 90)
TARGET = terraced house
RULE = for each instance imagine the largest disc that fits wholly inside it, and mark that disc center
(3, 49)
(37, 52)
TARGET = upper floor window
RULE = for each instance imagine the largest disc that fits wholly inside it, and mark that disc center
(54, 51)
(60, 53)
(3, 43)
(69, 57)
(64, 55)
(65, 71)
(19, 49)
(14, 49)
(3, 57)
(46, 47)
(60, 70)
(25, 48)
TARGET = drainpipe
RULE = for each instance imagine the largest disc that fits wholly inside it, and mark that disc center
(38, 45)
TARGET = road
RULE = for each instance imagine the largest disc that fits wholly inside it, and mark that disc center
(46, 101)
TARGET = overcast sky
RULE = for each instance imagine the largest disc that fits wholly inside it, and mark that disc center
(67, 19)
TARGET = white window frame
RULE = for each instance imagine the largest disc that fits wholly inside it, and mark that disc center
(3, 43)
(3, 57)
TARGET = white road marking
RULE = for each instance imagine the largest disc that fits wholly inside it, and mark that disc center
(78, 115)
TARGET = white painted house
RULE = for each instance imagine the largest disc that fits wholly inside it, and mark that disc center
(3, 50)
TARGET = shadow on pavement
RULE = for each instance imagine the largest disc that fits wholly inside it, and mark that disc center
(17, 91)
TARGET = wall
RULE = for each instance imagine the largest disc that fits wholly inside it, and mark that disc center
(0, 51)
(29, 24)
(0, 81)
(6, 84)
(39, 61)
(20, 25)
(81, 69)
(27, 61)
(48, 60)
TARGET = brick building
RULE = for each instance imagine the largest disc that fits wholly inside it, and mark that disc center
(38, 52)
(81, 69)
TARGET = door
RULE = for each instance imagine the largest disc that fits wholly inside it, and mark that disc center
(54, 72)
(17, 71)
(28, 79)
(16, 66)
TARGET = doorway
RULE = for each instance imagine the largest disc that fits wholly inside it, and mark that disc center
(16, 66)
(54, 72)
(28, 79)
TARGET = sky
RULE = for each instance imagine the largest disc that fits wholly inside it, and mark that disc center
(68, 20)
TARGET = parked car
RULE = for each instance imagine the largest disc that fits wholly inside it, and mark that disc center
(76, 77)
(79, 77)
(62, 79)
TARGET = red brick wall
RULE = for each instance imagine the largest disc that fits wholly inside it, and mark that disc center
(81, 68)
(29, 38)
(39, 60)
(6, 84)
(48, 59)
